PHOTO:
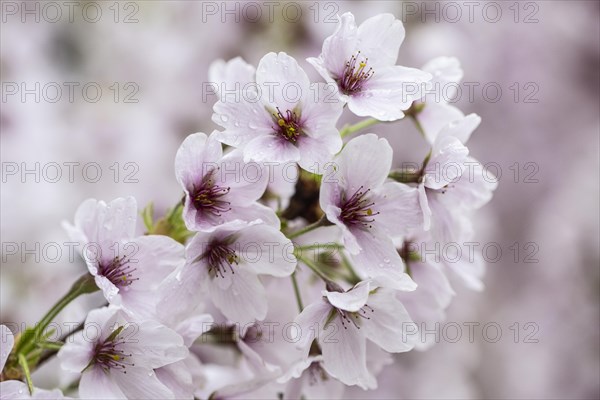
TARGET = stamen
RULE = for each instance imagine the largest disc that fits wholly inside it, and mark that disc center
(358, 209)
(109, 356)
(348, 317)
(206, 197)
(354, 77)
(220, 259)
(119, 271)
(289, 126)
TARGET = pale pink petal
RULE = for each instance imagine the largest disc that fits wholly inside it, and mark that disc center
(340, 46)
(283, 82)
(352, 300)
(244, 301)
(96, 384)
(365, 161)
(379, 39)
(195, 157)
(310, 321)
(271, 148)
(435, 116)
(398, 205)
(447, 162)
(379, 258)
(388, 322)
(389, 91)
(344, 354)
(142, 383)
(265, 250)
(247, 180)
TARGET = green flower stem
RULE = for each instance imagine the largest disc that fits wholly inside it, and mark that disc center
(314, 268)
(322, 222)
(83, 285)
(418, 125)
(25, 368)
(354, 278)
(320, 246)
(350, 129)
(297, 292)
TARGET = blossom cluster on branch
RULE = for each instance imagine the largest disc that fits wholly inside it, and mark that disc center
(292, 268)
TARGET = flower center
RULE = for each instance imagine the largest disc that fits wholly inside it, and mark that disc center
(355, 75)
(119, 271)
(109, 355)
(357, 209)
(288, 126)
(221, 259)
(207, 197)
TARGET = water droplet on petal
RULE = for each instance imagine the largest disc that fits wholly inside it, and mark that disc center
(252, 125)
(386, 260)
(150, 373)
(224, 118)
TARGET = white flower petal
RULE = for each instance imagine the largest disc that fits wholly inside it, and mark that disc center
(446, 164)
(379, 39)
(340, 46)
(96, 384)
(142, 383)
(389, 91)
(195, 157)
(271, 148)
(344, 354)
(244, 301)
(380, 259)
(310, 321)
(388, 322)
(352, 300)
(283, 82)
(398, 205)
(265, 250)
(435, 116)
(364, 162)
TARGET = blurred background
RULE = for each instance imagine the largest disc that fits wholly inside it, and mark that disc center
(97, 97)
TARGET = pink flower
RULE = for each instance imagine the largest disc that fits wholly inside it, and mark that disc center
(219, 188)
(118, 362)
(282, 117)
(343, 321)
(127, 268)
(370, 211)
(227, 262)
(361, 62)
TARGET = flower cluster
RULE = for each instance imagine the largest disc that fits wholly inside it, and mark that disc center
(291, 268)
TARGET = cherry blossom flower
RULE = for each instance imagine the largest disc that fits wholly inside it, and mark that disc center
(453, 183)
(228, 260)
(128, 269)
(360, 61)
(284, 118)
(343, 321)
(370, 211)
(118, 362)
(434, 112)
(13, 389)
(219, 188)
